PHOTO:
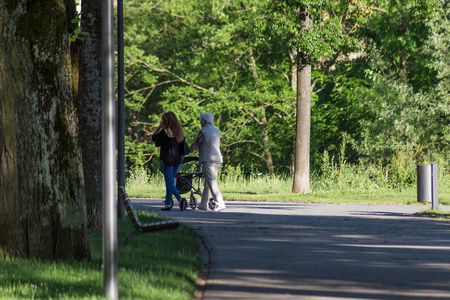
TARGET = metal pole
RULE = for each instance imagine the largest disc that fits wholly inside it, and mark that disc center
(121, 106)
(434, 187)
(110, 282)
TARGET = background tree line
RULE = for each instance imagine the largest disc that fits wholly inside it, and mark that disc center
(379, 78)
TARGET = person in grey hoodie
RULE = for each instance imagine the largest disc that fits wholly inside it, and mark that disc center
(208, 145)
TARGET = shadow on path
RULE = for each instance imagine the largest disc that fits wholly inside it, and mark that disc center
(318, 251)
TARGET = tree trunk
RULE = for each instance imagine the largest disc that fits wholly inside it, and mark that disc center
(89, 109)
(267, 152)
(293, 55)
(42, 195)
(303, 129)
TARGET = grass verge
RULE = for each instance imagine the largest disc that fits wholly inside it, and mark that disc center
(379, 196)
(434, 214)
(161, 265)
(344, 189)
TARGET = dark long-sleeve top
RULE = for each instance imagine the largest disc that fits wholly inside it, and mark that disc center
(170, 152)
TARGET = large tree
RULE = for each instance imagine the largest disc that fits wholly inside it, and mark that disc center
(316, 30)
(42, 194)
(303, 112)
(89, 108)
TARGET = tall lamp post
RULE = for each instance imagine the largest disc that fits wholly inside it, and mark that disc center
(110, 281)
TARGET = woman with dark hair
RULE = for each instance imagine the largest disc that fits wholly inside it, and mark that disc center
(170, 137)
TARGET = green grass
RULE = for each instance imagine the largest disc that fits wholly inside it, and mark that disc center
(161, 265)
(381, 196)
(345, 189)
(434, 214)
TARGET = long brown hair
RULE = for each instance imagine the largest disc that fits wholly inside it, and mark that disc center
(170, 121)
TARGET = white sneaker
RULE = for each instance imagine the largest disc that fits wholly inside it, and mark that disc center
(203, 208)
(219, 208)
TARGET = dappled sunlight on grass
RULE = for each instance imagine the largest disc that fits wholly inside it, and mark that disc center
(161, 265)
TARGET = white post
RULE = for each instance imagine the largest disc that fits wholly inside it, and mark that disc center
(110, 281)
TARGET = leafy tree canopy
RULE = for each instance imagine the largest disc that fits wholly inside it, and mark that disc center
(377, 66)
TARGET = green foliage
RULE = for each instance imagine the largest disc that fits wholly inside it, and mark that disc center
(213, 54)
(139, 154)
(398, 35)
(338, 111)
(328, 33)
(387, 111)
(77, 33)
(407, 120)
(382, 89)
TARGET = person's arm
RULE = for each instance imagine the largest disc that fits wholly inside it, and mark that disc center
(198, 141)
(158, 136)
(157, 130)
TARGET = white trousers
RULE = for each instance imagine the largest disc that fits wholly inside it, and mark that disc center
(211, 187)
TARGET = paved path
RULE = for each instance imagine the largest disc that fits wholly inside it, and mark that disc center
(318, 251)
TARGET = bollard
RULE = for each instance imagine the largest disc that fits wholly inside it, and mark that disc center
(427, 184)
(424, 183)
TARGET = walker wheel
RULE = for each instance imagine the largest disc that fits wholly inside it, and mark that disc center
(212, 204)
(183, 204)
(193, 202)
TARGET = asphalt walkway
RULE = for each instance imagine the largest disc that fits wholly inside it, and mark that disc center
(319, 251)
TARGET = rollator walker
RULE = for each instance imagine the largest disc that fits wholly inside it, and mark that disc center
(191, 182)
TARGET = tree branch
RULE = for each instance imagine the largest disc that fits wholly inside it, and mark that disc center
(173, 74)
(179, 78)
(284, 73)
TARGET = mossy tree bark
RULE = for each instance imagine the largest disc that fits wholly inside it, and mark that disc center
(42, 194)
(89, 108)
